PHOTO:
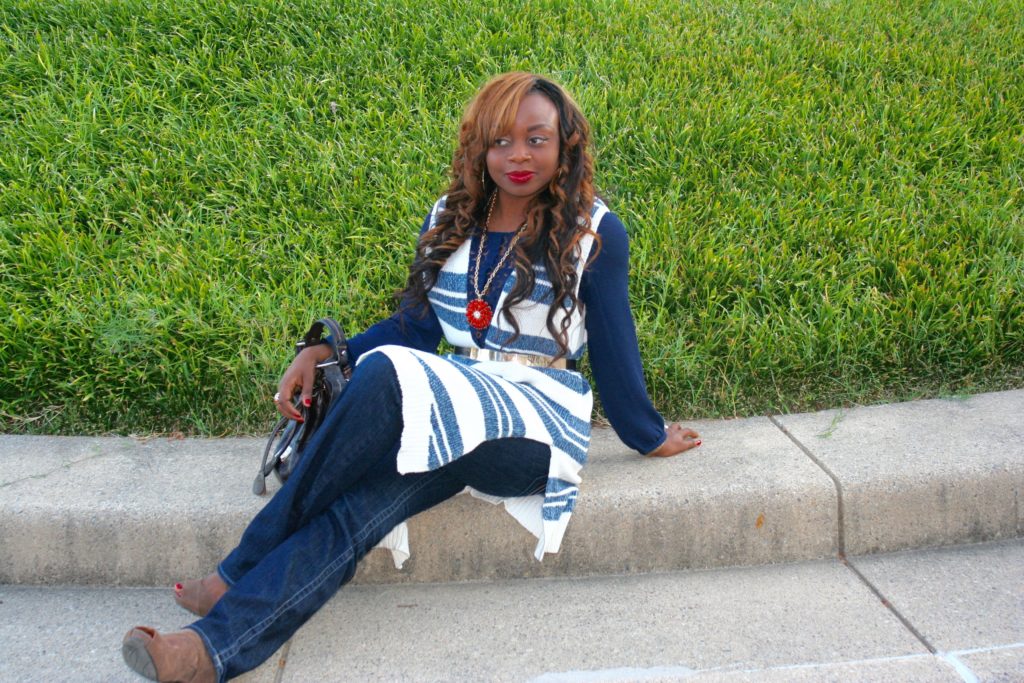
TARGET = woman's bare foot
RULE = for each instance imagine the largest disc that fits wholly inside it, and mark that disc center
(199, 596)
(179, 656)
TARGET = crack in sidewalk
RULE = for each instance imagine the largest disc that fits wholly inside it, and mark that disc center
(841, 526)
(889, 606)
(63, 466)
(282, 661)
(842, 535)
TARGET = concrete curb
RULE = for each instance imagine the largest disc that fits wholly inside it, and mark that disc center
(123, 511)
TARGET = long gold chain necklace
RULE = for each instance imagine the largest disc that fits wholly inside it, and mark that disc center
(478, 311)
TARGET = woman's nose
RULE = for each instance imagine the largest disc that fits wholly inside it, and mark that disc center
(519, 153)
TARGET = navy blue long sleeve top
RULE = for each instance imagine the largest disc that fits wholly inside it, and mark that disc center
(611, 333)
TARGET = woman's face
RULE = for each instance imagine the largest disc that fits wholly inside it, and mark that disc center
(523, 161)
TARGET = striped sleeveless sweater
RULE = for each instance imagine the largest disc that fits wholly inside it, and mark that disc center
(456, 403)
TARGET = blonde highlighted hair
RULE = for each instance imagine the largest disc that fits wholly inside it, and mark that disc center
(557, 218)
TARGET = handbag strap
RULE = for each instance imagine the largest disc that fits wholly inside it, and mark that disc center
(336, 338)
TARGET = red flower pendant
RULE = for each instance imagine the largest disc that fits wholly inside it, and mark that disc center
(479, 314)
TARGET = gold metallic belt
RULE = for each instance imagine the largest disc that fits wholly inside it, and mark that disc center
(521, 358)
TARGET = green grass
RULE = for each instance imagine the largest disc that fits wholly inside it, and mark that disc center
(825, 198)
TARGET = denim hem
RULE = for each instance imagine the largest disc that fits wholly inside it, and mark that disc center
(218, 665)
(224, 575)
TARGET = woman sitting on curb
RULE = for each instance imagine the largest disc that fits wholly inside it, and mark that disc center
(519, 266)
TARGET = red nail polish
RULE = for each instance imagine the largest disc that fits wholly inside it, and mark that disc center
(178, 587)
(307, 402)
(698, 442)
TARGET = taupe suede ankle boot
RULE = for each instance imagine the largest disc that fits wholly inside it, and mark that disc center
(178, 657)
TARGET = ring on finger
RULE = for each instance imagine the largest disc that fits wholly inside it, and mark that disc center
(277, 397)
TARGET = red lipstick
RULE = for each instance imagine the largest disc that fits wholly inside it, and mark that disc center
(520, 176)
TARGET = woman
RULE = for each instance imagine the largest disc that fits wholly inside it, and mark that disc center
(518, 266)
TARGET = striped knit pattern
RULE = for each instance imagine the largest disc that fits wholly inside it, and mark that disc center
(457, 403)
(449, 298)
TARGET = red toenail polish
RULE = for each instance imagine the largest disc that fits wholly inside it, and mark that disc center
(178, 587)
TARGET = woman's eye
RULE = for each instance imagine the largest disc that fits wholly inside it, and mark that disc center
(501, 142)
(538, 140)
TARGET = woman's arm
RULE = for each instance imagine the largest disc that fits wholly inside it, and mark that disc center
(415, 326)
(615, 354)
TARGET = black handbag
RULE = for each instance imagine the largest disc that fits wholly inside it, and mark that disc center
(288, 438)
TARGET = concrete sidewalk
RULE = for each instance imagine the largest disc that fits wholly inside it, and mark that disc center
(123, 511)
(949, 614)
(803, 500)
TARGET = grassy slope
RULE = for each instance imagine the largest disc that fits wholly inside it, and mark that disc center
(825, 198)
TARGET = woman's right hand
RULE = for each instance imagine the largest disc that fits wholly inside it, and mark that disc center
(299, 378)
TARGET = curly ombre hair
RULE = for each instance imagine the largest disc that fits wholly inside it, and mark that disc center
(557, 218)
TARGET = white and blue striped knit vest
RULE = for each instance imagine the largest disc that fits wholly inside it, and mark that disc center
(452, 404)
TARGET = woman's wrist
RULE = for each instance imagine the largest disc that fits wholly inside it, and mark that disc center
(318, 353)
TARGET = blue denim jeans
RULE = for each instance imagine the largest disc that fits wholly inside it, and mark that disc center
(345, 495)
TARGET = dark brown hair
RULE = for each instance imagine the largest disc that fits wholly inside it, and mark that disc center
(553, 227)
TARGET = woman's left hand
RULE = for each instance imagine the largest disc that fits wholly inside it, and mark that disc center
(679, 439)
